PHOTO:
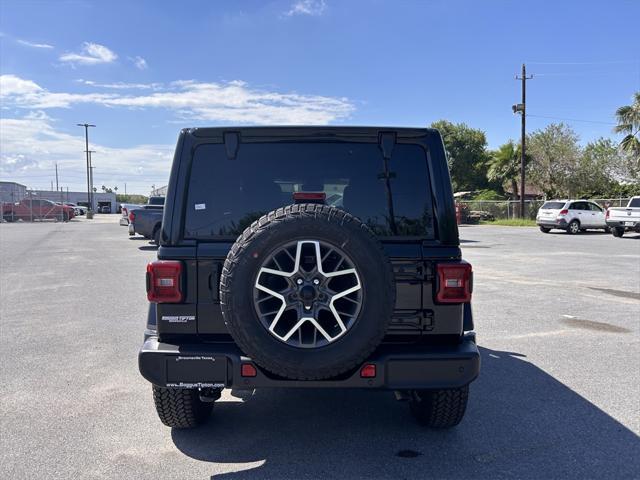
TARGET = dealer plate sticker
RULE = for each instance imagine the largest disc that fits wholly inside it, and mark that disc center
(178, 318)
(200, 206)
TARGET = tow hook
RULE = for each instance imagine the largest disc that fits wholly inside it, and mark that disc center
(210, 395)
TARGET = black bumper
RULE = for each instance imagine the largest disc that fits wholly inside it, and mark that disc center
(398, 367)
(559, 224)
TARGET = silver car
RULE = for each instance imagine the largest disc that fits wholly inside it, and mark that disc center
(573, 216)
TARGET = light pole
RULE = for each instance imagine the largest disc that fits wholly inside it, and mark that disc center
(86, 142)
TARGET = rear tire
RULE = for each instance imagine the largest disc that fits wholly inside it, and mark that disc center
(545, 229)
(617, 232)
(439, 408)
(180, 407)
(573, 227)
(156, 236)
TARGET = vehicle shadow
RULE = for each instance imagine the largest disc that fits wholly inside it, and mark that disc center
(521, 423)
(138, 237)
(150, 247)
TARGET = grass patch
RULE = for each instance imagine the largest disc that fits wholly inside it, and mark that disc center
(511, 222)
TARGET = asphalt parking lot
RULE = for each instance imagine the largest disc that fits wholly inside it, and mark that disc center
(557, 316)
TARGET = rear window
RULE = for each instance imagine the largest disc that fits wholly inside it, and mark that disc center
(225, 196)
(156, 201)
(553, 205)
(635, 202)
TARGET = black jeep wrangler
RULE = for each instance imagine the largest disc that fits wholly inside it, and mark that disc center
(309, 257)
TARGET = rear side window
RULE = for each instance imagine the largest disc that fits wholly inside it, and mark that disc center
(553, 205)
(225, 196)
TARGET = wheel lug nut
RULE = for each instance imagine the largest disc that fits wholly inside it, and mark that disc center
(316, 281)
(299, 281)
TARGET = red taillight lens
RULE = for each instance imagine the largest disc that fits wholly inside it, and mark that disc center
(132, 216)
(248, 370)
(368, 371)
(454, 282)
(164, 281)
(563, 212)
(309, 197)
(606, 214)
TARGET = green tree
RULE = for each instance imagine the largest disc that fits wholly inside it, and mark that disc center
(554, 154)
(628, 118)
(467, 155)
(504, 167)
(596, 170)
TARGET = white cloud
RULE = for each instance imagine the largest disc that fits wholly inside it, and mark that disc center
(139, 62)
(31, 146)
(26, 43)
(232, 102)
(12, 86)
(90, 54)
(307, 7)
(121, 85)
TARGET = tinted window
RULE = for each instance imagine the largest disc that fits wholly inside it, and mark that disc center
(156, 201)
(577, 206)
(635, 202)
(594, 207)
(225, 196)
(553, 205)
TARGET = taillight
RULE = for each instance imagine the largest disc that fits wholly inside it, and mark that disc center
(563, 212)
(454, 282)
(606, 214)
(164, 281)
(132, 216)
(311, 197)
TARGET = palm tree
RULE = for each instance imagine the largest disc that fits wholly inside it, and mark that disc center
(504, 166)
(628, 118)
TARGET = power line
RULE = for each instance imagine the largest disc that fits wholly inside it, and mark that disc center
(611, 62)
(571, 119)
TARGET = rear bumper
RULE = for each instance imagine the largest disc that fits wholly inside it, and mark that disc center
(124, 221)
(561, 224)
(627, 224)
(398, 367)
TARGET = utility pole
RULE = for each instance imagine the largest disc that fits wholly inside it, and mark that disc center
(91, 175)
(522, 108)
(57, 186)
(125, 189)
(86, 142)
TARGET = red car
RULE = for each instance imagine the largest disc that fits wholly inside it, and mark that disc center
(36, 209)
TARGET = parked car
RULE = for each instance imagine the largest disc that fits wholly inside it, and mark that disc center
(260, 283)
(36, 209)
(77, 209)
(624, 219)
(125, 208)
(573, 216)
(105, 209)
(146, 222)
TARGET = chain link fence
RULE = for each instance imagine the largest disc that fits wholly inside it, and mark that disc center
(474, 211)
(34, 210)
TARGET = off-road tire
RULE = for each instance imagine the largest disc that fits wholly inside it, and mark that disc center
(439, 408)
(307, 222)
(574, 230)
(180, 407)
(617, 232)
(156, 236)
(545, 229)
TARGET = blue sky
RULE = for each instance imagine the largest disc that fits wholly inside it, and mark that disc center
(143, 70)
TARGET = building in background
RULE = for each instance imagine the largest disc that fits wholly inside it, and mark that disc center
(159, 192)
(100, 199)
(11, 192)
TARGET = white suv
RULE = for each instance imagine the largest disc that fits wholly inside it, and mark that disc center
(571, 215)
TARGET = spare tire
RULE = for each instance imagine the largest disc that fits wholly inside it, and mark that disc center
(307, 291)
